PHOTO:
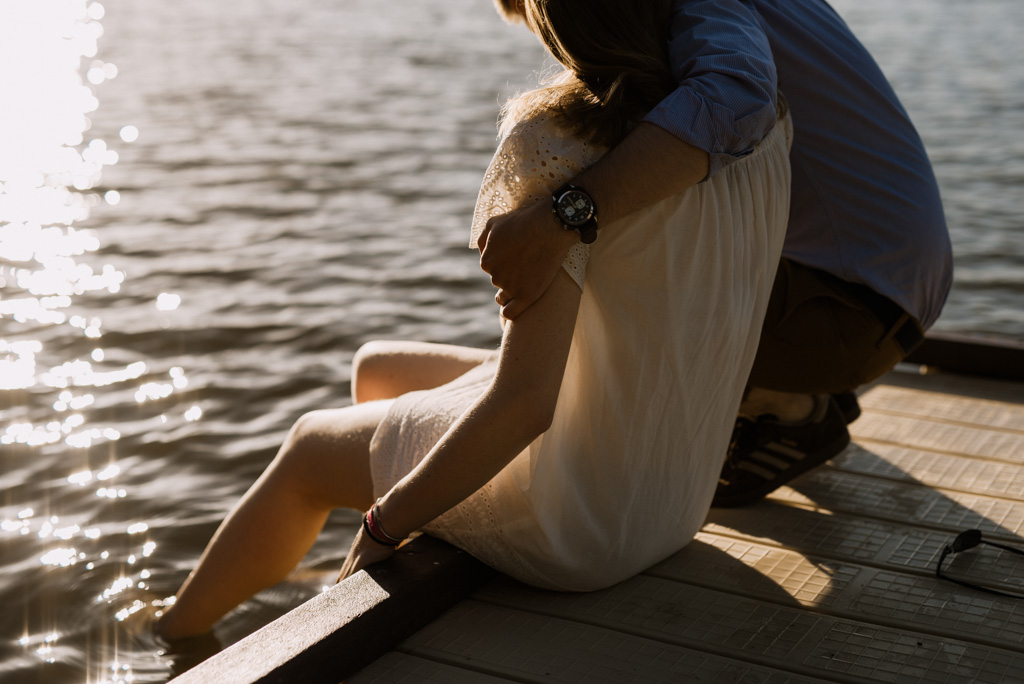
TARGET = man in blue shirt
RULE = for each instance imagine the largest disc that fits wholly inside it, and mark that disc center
(867, 263)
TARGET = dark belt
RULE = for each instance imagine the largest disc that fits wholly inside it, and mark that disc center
(899, 325)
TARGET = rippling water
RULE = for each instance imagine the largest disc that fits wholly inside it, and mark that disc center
(207, 207)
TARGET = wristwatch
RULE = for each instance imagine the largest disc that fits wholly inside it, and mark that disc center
(576, 210)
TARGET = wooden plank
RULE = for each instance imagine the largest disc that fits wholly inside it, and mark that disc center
(946, 471)
(941, 437)
(944, 406)
(530, 647)
(823, 647)
(877, 596)
(876, 498)
(400, 668)
(345, 628)
(880, 543)
(996, 357)
(966, 386)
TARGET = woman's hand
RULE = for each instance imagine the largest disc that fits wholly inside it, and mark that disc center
(364, 552)
(523, 251)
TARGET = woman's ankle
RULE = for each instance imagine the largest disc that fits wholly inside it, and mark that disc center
(169, 626)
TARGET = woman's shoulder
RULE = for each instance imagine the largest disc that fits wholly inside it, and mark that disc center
(542, 146)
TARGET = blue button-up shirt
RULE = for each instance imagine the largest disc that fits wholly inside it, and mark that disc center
(865, 203)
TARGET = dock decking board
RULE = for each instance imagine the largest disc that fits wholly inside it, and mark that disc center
(943, 406)
(831, 579)
(870, 497)
(963, 474)
(781, 637)
(869, 542)
(541, 647)
(879, 596)
(401, 668)
(941, 437)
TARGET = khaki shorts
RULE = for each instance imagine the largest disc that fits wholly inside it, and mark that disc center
(822, 334)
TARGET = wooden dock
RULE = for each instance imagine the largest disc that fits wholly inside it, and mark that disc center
(829, 580)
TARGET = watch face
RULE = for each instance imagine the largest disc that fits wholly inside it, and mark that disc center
(575, 207)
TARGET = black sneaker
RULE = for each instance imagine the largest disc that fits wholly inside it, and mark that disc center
(847, 402)
(765, 454)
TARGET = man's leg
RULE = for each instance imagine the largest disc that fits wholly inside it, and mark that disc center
(822, 338)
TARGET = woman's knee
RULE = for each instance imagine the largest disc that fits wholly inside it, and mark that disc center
(302, 446)
(372, 366)
(326, 455)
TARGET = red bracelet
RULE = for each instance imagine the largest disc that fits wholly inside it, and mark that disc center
(371, 523)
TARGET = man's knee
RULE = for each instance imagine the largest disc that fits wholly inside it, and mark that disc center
(821, 335)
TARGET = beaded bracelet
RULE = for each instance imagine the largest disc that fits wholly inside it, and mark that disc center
(373, 528)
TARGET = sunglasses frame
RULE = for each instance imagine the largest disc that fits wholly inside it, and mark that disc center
(968, 539)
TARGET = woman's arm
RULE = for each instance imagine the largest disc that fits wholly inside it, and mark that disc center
(515, 409)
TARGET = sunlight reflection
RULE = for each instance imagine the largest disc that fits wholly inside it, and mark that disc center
(52, 335)
(59, 557)
(80, 373)
(17, 362)
(119, 585)
(168, 302)
(153, 390)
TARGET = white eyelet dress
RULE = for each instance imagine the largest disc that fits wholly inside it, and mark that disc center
(672, 304)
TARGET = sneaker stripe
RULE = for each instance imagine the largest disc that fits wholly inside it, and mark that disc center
(760, 471)
(776, 462)
(793, 454)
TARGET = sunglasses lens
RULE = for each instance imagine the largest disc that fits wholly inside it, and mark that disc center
(967, 539)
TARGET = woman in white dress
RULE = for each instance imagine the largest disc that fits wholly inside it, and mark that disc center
(588, 446)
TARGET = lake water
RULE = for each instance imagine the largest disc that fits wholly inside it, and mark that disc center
(207, 207)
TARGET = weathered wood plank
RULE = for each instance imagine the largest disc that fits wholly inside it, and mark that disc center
(997, 357)
(942, 406)
(936, 436)
(966, 386)
(531, 647)
(888, 544)
(401, 668)
(877, 596)
(345, 628)
(872, 497)
(776, 636)
(945, 471)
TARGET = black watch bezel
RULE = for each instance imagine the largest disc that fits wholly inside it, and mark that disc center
(586, 226)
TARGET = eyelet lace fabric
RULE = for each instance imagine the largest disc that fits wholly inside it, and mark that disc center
(530, 163)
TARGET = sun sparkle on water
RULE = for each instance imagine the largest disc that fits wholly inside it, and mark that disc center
(51, 171)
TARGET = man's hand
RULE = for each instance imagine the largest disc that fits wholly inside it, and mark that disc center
(364, 552)
(522, 252)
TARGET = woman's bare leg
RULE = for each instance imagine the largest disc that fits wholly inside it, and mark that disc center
(323, 465)
(385, 369)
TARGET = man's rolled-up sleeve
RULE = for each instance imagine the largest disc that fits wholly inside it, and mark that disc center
(725, 103)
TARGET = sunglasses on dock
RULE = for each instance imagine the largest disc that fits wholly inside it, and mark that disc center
(968, 540)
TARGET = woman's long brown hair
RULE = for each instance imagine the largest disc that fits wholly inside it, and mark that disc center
(615, 54)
